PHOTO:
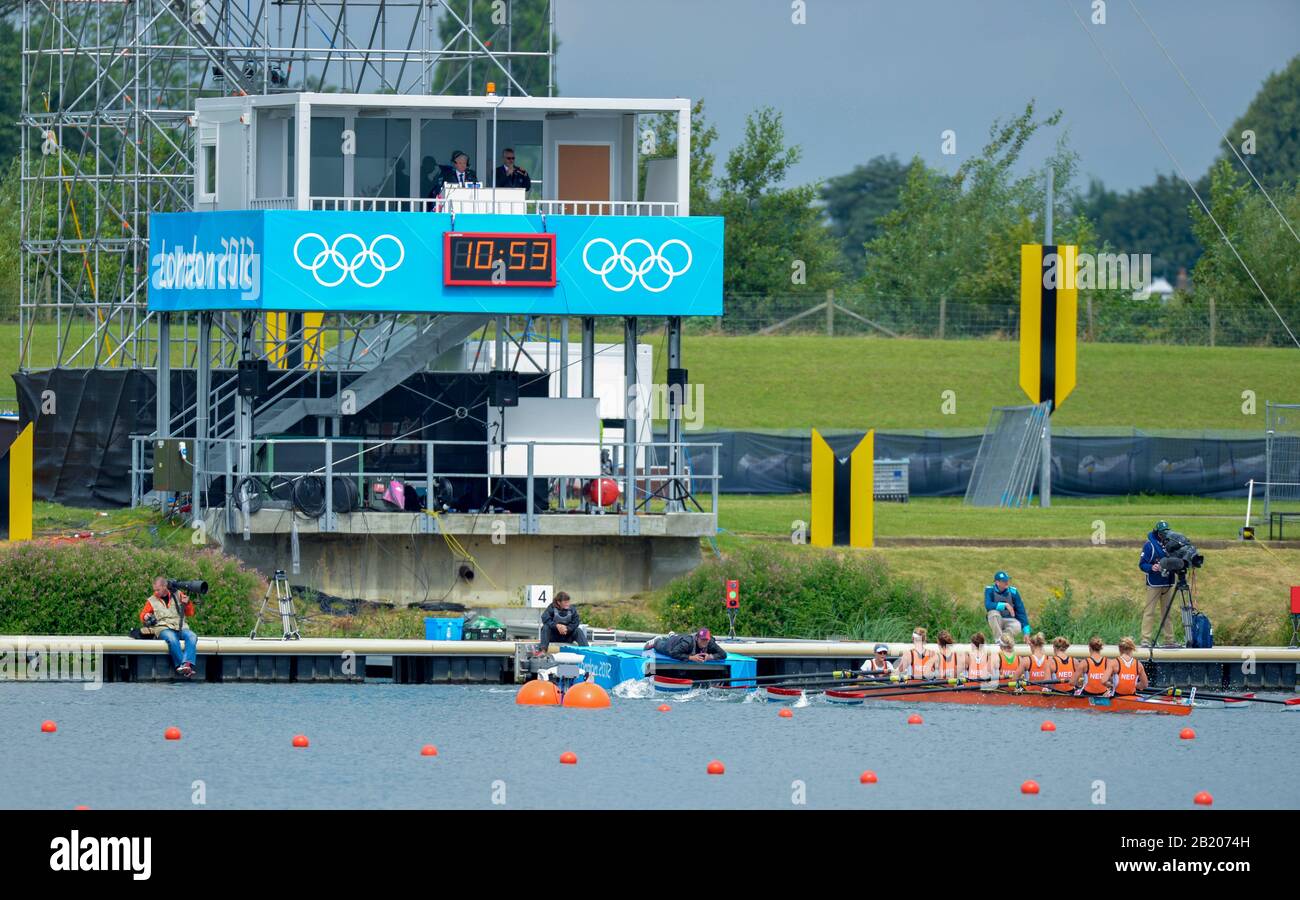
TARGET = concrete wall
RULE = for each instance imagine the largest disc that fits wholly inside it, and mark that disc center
(412, 568)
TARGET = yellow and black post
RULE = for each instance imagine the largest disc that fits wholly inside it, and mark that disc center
(1049, 321)
(843, 494)
(18, 460)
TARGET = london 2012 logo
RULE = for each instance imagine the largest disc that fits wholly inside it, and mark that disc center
(622, 267)
(349, 256)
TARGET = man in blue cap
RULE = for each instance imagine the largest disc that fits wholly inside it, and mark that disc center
(1006, 611)
(1159, 585)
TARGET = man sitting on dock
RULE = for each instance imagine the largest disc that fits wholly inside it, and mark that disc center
(1004, 607)
(162, 618)
(560, 624)
(697, 647)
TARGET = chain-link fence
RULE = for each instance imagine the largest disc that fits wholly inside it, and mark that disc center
(1106, 318)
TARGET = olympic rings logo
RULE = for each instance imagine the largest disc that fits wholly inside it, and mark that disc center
(330, 256)
(620, 258)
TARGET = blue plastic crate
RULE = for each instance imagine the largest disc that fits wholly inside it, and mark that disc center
(443, 629)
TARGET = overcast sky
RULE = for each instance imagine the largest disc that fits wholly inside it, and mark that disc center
(866, 77)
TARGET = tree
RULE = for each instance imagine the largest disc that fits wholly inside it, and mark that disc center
(1272, 117)
(959, 236)
(776, 242)
(1265, 243)
(10, 90)
(856, 202)
(1151, 219)
(526, 30)
(663, 131)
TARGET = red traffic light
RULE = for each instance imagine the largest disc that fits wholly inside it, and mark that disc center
(732, 595)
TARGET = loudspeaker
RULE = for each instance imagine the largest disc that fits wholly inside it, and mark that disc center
(505, 388)
(252, 378)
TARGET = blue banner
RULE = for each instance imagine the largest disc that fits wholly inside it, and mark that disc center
(325, 261)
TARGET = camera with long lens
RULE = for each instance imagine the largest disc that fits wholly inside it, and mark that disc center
(1181, 554)
(189, 587)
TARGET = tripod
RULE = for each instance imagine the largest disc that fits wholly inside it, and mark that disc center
(1182, 592)
(279, 586)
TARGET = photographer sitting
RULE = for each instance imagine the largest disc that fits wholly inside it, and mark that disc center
(163, 616)
(1159, 585)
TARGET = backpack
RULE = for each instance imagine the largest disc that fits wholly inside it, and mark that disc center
(1201, 634)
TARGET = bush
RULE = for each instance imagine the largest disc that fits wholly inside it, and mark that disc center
(809, 593)
(91, 587)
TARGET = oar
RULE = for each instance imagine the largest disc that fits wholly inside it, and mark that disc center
(863, 681)
(773, 679)
(1226, 698)
(968, 686)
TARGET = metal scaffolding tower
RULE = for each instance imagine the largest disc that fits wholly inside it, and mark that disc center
(108, 97)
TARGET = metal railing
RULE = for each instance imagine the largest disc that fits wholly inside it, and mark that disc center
(484, 205)
(414, 462)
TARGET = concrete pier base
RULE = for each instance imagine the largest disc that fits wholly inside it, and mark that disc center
(474, 560)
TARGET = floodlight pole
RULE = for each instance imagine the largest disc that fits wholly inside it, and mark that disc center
(1045, 463)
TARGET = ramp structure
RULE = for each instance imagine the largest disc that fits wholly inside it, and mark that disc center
(1008, 459)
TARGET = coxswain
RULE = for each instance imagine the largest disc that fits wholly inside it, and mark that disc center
(948, 661)
(1038, 667)
(976, 663)
(1095, 673)
(878, 662)
(917, 662)
(1063, 665)
(1130, 674)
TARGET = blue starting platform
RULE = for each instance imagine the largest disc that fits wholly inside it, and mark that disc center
(614, 665)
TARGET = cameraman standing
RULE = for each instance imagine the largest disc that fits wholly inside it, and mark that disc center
(162, 617)
(1159, 585)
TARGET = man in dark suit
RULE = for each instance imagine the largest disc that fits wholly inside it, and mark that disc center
(460, 174)
(508, 175)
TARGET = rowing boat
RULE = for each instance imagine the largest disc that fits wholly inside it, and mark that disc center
(1168, 706)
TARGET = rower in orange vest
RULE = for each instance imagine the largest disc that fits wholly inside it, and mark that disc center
(1131, 675)
(948, 662)
(917, 662)
(1064, 667)
(1008, 661)
(1095, 673)
(1037, 668)
(975, 662)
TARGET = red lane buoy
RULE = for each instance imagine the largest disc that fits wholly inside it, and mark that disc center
(48, 727)
(867, 777)
(172, 734)
(716, 768)
(664, 707)
(300, 740)
(1049, 725)
(602, 491)
(569, 758)
(915, 719)
(1187, 734)
(428, 750)
(786, 714)
(81, 806)
(1203, 799)
(1029, 787)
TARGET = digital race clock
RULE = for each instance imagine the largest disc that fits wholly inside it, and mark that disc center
(498, 260)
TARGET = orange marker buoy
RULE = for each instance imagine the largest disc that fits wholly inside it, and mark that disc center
(664, 707)
(586, 695)
(1029, 787)
(716, 768)
(428, 750)
(48, 727)
(569, 758)
(914, 719)
(867, 777)
(300, 740)
(81, 806)
(538, 693)
(786, 714)
(1187, 734)
(1049, 725)
(1203, 799)
(172, 734)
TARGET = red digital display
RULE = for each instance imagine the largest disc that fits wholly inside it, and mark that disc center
(498, 260)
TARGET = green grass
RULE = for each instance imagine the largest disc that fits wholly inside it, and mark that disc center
(800, 382)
